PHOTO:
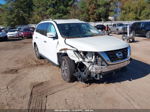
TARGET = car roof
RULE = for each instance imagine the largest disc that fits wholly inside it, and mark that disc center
(63, 21)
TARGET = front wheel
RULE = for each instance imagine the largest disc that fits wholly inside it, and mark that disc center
(67, 69)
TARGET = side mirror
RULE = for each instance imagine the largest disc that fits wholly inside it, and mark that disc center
(51, 35)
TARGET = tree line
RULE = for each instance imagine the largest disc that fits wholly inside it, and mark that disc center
(21, 12)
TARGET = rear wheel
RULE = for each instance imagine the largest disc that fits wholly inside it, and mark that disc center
(36, 50)
(67, 69)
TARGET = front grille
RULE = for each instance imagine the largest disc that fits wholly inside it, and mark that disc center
(114, 57)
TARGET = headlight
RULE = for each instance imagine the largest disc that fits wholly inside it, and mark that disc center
(86, 56)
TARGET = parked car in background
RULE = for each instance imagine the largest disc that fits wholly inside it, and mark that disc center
(12, 33)
(32, 29)
(118, 28)
(100, 27)
(140, 28)
(8, 29)
(25, 33)
(3, 35)
(104, 29)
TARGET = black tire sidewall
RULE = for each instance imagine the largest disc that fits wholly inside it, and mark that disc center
(69, 77)
(36, 50)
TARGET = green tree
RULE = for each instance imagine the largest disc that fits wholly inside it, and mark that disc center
(17, 12)
(103, 9)
(92, 10)
(44, 9)
(135, 10)
(83, 9)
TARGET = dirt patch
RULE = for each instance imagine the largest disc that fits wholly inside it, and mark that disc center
(26, 63)
(10, 71)
(10, 47)
(26, 42)
(32, 62)
(39, 93)
(14, 45)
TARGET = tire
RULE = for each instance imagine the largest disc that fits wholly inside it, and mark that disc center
(67, 69)
(148, 34)
(36, 50)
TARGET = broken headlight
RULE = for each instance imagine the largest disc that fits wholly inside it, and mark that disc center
(85, 56)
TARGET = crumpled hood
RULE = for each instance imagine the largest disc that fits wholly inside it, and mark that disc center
(97, 43)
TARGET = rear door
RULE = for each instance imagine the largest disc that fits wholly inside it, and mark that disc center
(39, 37)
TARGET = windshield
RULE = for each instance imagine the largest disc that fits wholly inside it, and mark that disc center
(75, 30)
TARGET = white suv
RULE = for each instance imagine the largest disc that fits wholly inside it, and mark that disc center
(79, 49)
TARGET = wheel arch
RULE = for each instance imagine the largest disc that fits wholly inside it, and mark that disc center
(59, 56)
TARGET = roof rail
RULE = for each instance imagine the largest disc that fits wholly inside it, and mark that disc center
(48, 19)
(68, 19)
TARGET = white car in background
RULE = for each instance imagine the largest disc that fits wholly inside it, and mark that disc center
(3, 35)
(79, 49)
(13, 33)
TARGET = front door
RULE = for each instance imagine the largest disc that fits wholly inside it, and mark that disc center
(50, 45)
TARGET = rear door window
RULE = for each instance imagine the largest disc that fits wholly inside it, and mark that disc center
(42, 28)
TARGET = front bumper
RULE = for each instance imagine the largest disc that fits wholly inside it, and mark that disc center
(107, 68)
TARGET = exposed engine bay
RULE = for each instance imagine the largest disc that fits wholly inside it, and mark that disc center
(92, 64)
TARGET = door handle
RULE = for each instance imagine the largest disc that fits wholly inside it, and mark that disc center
(45, 41)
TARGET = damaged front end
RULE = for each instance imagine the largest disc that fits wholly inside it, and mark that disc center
(95, 64)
